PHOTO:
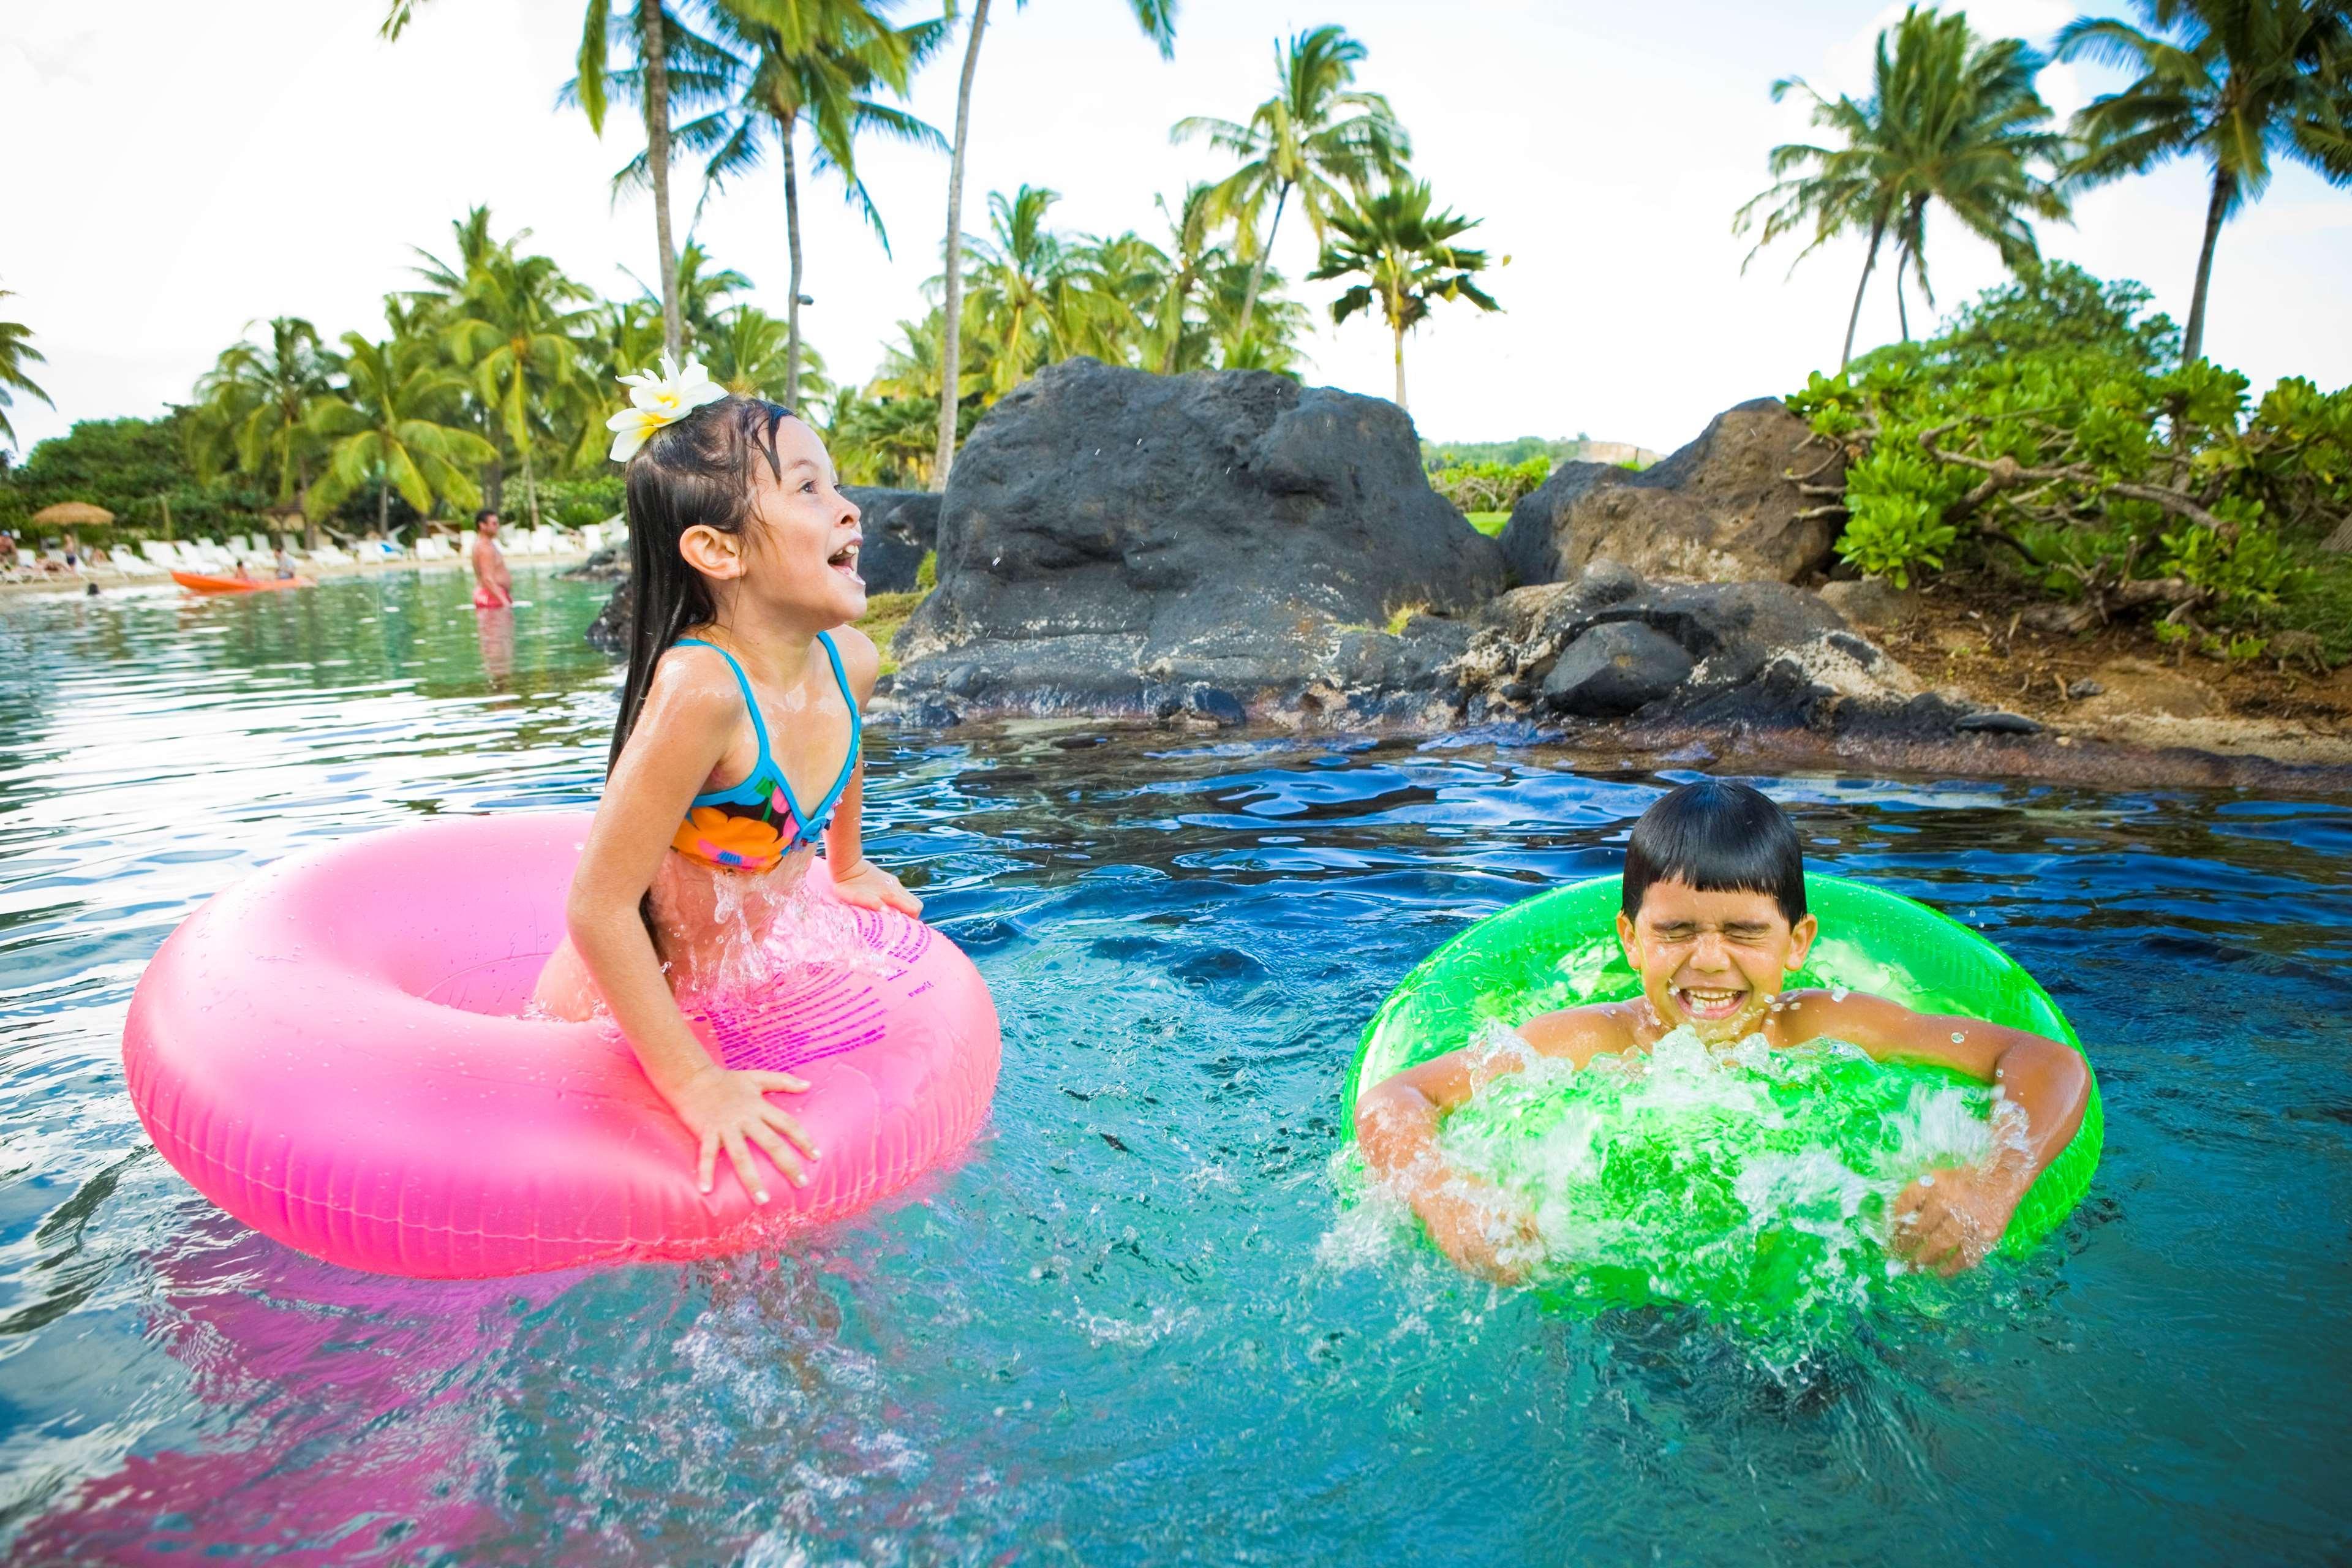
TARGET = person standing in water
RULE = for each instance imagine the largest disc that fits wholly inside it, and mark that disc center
(493, 585)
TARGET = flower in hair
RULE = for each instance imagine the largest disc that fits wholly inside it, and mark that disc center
(659, 400)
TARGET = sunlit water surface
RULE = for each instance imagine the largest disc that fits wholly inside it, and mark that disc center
(1121, 1330)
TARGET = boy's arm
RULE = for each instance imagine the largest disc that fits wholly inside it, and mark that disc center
(1397, 1120)
(1949, 1219)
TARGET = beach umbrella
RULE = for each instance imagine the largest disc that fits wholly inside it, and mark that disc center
(74, 515)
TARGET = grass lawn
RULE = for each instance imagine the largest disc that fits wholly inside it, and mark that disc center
(1489, 523)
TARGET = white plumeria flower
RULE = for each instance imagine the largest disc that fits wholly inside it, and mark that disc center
(659, 400)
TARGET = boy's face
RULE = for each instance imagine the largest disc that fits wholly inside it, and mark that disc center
(1712, 961)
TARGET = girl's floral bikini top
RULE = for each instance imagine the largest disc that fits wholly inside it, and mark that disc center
(755, 825)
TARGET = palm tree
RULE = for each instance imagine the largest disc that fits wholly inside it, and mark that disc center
(702, 292)
(2237, 83)
(1407, 259)
(1120, 282)
(812, 62)
(749, 352)
(1313, 137)
(518, 322)
(387, 427)
(652, 36)
(1158, 20)
(657, 44)
(16, 351)
(1950, 120)
(253, 410)
(1026, 291)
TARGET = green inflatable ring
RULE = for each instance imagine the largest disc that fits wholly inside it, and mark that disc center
(1559, 950)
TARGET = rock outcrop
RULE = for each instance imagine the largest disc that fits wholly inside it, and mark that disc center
(1723, 508)
(1741, 656)
(896, 529)
(1118, 542)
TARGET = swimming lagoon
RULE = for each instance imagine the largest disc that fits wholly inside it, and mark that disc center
(1133, 1324)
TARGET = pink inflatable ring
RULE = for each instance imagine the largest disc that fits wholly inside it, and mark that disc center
(331, 1052)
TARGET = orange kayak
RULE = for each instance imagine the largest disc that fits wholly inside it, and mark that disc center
(196, 582)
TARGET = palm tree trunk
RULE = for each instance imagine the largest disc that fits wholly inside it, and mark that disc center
(1902, 311)
(792, 239)
(530, 488)
(952, 299)
(2192, 344)
(1258, 268)
(383, 506)
(656, 64)
(1845, 355)
(1398, 333)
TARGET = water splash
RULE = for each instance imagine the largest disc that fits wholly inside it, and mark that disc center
(1747, 1183)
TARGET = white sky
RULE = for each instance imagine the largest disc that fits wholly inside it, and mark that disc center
(180, 170)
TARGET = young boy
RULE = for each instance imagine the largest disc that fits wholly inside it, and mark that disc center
(1713, 920)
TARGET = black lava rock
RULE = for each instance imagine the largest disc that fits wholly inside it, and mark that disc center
(898, 529)
(1110, 535)
(1614, 669)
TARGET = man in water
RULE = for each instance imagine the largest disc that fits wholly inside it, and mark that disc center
(1713, 919)
(493, 587)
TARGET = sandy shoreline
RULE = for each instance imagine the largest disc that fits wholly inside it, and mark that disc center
(110, 582)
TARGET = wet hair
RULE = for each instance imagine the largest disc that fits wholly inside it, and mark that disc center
(696, 473)
(1719, 837)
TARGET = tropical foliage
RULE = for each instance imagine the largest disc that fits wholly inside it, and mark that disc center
(1407, 259)
(1158, 20)
(1950, 121)
(16, 351)
(1488, 486)
(2054, 435)
(1317, 138)
(2240, 84)
(813, 65)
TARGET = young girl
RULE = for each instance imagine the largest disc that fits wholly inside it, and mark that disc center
(737, 748)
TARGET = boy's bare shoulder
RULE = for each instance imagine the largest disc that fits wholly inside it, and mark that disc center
(1595, 1029)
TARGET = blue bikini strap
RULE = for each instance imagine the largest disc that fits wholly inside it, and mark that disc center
(856, 735)
(759, 725)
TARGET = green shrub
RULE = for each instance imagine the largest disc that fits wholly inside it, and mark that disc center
(1487, 486)
(2050, 430)
(574, 503)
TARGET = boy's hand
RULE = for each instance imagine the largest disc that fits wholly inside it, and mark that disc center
(1949, 1219)
(1482, 1230)
(869, 887)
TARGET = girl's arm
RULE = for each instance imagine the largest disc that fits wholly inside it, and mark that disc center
(1949, 1219)
(857, 880)
(677, 742)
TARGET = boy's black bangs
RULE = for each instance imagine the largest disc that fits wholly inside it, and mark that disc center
(1719, 837)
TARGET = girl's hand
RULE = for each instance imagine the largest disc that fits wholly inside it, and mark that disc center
(869, 887)
(731, 1111)
(1949, 1219)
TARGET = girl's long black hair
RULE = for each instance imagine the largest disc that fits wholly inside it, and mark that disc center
(696, 473)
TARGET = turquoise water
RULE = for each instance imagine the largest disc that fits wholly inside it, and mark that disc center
(1131, 1326)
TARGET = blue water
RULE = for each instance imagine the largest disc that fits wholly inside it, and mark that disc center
(1125, 1330)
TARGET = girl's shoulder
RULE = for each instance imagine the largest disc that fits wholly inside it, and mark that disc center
(694, 684)
(861, 660)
